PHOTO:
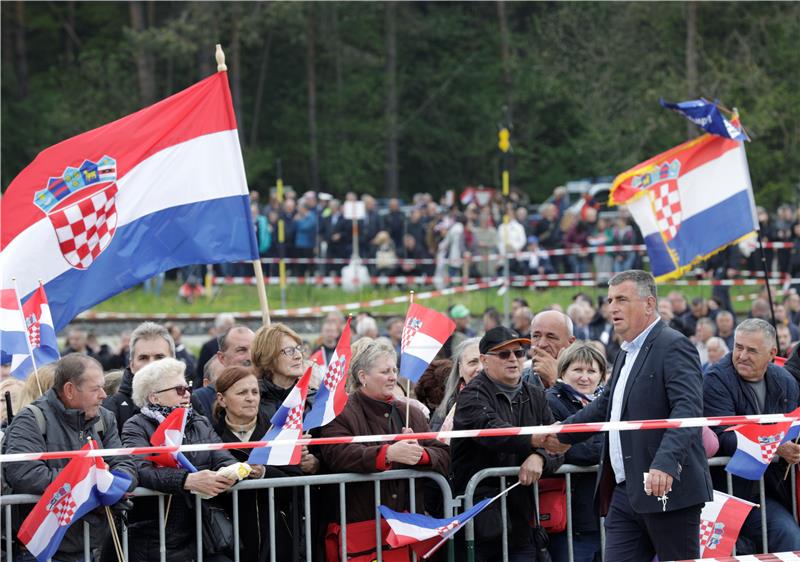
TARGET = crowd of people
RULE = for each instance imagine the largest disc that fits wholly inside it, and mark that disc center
(469, 235)
(628, 356)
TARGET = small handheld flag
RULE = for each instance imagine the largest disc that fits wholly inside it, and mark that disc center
(287, 425)
(84, 484)
(424, 334)
(755, 447)
(706, 115)
(41, 334)
(13, 334)
(720, 523)
(170, 432)
(332, 395)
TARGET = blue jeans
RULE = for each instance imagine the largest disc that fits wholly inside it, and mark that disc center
(783, 533)
(585, 547)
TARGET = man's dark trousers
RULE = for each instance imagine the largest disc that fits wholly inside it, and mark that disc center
(637, 537)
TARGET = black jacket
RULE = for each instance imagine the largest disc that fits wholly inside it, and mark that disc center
(143, 528)
(121, 403)
(564, 404)
(793, 363)
(272, 396)
(481, 405)
(665, 382)
(726, 394)
(65, 430)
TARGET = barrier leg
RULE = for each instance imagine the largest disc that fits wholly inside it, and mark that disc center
(343, 520)
(162, 546)
(307, 519)
(198, 526)
(378, 537)
(504, 517)
(235, 502)
(763, 501)
(568, 483)
(272, 554)
(9, 539)
(87, 547)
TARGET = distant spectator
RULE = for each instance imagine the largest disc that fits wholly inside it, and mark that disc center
(784, 340)
(725, 325)
(222, 322)
(521, 320)
(703, 331)
(431, 386)
(112, 381)
(182, 353)
(491, 318)
(717, 349)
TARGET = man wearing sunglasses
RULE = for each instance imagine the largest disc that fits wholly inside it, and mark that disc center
(498, 397)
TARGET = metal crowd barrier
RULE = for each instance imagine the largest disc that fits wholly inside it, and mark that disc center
(341, 480)
(567, 470)
(306, 482)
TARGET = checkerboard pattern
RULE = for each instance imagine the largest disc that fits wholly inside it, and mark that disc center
(334, 374)
(768, 449)
(706, 530)
(34, 334)
(65, 510)
(409, 331)
(667, 205)
(442, 530)
(295, 418)
(85, 228)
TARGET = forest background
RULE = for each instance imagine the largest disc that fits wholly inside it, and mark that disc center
(397, 98)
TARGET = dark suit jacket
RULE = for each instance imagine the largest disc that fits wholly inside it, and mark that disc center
(665, 382)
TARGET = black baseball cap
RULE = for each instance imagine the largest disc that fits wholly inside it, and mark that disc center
(498, 337)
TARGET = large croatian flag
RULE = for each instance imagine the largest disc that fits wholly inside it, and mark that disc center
(720, 523)
(103, 211)
(756, 445)
(170, 433)
(424, 334)
(689, 202)
(287, 424)
(84, 484)
(13, 334)
(332, 393)
(414, 528)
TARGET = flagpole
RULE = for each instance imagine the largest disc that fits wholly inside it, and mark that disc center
(408, 381)
(447, 536)
(219, 55)
(111, 525)
(27, 337)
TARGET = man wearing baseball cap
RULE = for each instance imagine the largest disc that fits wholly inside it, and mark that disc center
(498, 397)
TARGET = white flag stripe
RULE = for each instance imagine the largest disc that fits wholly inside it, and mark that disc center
(725, 173)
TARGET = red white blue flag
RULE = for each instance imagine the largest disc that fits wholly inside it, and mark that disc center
(41, 333)
(287, 425)
(103, 211)
(756, 445)
(14, 346)
(689, 202)
(331, 396)
(720, 523)
(84, 484)
(424, 334)
(170, 433)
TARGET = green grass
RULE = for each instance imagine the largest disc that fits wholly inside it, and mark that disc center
(237, 298)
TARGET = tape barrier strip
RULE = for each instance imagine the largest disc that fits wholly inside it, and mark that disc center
(679, 282)
(291, 312)
(459, 434)
(395, 279)
(768, 557)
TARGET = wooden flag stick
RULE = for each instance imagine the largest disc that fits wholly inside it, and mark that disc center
(408, 381)
(27, 336)
(111, 525)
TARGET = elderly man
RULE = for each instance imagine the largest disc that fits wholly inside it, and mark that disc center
(746, 382)
(551, 332)
(234, 349)
(717, 349)
(497, 397)
(725, 325)
(60, 420)
(656, 375)
(149, 342)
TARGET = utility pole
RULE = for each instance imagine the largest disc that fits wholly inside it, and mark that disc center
(504, 144)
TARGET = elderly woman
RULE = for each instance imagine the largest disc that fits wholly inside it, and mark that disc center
(279, 362)
(371, 410)
(580, 370)
(466, 365)
(158, 389)
(237, 419)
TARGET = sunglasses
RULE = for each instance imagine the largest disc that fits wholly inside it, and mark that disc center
(293, 350)
(181, 389)
(506, 353)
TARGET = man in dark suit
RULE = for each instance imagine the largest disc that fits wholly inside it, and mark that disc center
(652, 484)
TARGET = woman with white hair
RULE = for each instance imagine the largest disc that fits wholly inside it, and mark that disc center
(466, 366)
(158, 389)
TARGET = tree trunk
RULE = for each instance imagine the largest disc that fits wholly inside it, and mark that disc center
(691, 60)
(21, 52)
(392, 183)
(145, 65)
(313, 151)
(505, 55)
(262, 77)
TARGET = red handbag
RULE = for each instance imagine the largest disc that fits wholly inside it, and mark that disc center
(553, 504)
(361, 543)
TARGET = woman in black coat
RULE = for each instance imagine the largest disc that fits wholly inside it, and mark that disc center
(160, 388)
(581, 368)
(237, 419)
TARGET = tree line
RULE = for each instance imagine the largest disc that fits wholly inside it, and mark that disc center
(391, 98)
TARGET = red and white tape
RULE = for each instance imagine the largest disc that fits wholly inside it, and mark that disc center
(441, 435)
(413, 280)
(291, 312)
(768, 557)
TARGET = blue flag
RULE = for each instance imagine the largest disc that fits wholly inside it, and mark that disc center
(707, 116)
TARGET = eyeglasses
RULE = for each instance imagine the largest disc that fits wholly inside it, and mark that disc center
(293, 350)
(506, 353)
(181, 389)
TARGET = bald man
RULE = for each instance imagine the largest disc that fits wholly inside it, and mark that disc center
(551, 332)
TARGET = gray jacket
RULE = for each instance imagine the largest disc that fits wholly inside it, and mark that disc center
(65, 430)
